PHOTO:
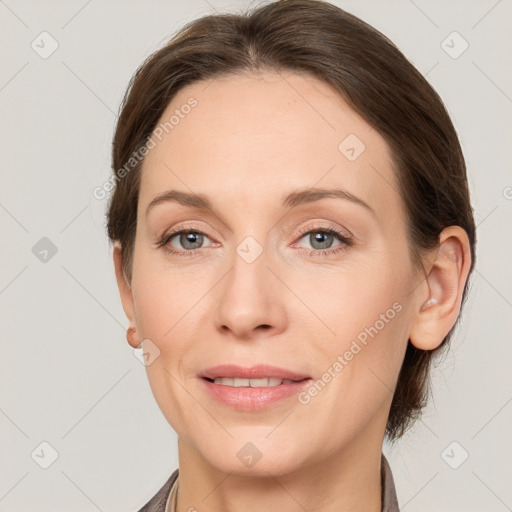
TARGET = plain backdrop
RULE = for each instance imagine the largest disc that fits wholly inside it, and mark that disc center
(73, 396)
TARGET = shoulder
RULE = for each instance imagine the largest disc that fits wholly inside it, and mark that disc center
(158, 501)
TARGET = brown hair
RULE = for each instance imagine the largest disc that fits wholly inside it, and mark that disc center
(316, 38)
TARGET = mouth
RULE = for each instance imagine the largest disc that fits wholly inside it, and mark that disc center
(240, 382)
(252, 389)
(261, 375)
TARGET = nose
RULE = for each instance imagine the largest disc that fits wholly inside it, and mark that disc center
(251, 298)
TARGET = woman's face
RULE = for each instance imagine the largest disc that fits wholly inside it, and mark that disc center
(321, 285)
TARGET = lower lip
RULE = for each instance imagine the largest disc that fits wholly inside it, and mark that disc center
(253, 399)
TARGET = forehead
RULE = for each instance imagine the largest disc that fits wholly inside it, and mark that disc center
(249, 138)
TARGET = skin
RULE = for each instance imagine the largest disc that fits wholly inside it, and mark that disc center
(251, 140)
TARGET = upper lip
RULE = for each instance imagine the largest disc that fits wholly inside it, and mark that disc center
(259, 371)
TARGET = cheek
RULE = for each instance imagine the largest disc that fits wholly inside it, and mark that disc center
(358, 366)
(172, 306)
(354, 296)
(163, 297)
(166, 307)
(365, 311)
(155, 309)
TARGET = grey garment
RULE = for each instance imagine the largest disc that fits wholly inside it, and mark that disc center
(389, 501)
(159, 500)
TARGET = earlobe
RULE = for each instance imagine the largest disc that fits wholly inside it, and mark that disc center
(132, 338)
(441, 296)
(125, 292)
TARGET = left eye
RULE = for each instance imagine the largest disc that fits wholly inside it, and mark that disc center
(322, 239)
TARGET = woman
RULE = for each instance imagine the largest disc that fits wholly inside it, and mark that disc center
(293, 237)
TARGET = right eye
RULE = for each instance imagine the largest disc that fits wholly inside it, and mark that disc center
(190, 240)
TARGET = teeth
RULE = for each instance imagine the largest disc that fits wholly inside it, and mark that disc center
(253, 383)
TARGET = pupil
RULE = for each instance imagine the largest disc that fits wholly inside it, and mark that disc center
(318, 236)
(191, 238)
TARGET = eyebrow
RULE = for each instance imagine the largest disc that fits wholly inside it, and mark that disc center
(295, 198)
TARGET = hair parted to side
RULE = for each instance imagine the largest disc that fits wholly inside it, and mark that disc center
(315, 38)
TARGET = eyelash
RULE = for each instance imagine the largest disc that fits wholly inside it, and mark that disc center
(315, 253)
(346, 241)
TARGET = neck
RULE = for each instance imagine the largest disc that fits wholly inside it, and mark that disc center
(347, 481)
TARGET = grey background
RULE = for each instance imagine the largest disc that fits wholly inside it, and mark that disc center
(67, 375)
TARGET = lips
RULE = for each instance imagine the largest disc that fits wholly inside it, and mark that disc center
(257, 372)
(252, 389)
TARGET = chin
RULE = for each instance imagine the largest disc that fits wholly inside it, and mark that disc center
(254, 455)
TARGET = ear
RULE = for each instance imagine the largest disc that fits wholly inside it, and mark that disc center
(440, 296)
(125, 291)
